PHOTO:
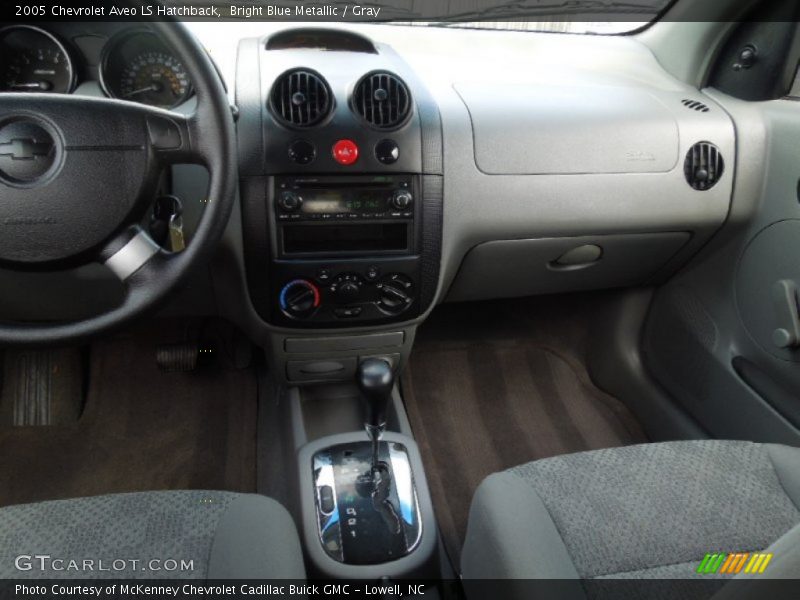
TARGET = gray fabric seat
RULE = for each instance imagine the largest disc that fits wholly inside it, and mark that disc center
(209, 535)
(649, 511)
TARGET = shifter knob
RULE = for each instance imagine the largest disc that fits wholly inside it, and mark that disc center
(375, 379)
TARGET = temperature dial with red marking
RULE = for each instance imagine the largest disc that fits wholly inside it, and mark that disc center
(299, 298)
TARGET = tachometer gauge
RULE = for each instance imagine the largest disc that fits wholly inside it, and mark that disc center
(32, 60)
(138, 66)
(155, 78)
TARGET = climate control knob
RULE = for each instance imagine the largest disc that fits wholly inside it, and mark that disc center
(346, 288)
(402, 200)
(299, 298)
(396, 293)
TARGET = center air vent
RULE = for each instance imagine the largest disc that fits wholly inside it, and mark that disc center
(695, 105)
(300, 98)
(703, 166)
(382, 100)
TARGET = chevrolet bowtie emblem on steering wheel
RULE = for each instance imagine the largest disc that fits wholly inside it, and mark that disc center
(29, 151)
(25, 149)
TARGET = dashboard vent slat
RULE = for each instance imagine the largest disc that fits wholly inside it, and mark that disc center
(300, 98)
(703, 166)
(695, 105)
(382, 99)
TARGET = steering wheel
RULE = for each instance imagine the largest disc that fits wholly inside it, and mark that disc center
(77, 175)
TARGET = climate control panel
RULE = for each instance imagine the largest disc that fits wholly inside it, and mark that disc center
(352, 292)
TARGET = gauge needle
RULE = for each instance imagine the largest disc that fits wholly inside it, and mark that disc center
(33, 85)
(150, 88)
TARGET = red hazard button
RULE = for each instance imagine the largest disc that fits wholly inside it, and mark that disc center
(345, 152)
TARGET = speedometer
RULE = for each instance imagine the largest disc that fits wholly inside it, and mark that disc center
(155, 78)
(32, 60)
(139, 67)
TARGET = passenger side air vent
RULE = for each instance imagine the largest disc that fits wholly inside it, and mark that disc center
(300, 98)
(703, 166)
(382, 100)
(695, 105)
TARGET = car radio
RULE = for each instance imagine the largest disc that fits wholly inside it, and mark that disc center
(344, 216)
(331, 198)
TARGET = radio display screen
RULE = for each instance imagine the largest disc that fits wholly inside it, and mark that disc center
(344, 201)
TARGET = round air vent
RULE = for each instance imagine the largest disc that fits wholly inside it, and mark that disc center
(300, 98)
(703, 166)
(383, 100)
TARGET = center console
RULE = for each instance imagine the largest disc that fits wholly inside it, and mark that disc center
(340, 161)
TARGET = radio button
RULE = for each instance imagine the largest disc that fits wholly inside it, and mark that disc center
(373, 272)
(387, 152)
(302, 152)
(345, 152)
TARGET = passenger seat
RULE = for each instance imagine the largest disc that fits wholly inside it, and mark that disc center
(650, 511)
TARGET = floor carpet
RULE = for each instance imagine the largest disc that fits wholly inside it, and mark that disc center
(140, 430)
(496, 384)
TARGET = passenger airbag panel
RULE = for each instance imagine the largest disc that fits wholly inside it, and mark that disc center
(551, 129)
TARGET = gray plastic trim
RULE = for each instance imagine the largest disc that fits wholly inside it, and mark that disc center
(340, 343)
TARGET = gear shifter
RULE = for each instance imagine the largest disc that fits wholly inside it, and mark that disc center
(375, 379)
(371, 482)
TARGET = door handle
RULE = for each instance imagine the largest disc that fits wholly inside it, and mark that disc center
(784, 298)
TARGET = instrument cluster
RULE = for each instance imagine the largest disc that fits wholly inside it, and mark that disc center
(135, 65)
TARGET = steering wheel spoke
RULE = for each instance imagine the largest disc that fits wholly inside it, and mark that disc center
(174, 137)
(128, 252)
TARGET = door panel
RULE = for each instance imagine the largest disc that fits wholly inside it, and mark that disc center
(721, 335)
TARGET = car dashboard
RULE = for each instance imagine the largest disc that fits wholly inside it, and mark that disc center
(387, 168)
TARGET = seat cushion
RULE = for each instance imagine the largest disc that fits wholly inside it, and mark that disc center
(645, 511)
(215, 535)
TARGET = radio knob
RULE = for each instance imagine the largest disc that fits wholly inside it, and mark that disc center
(289, 201)
(346, 288)
(299, 298)
(402, 200)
